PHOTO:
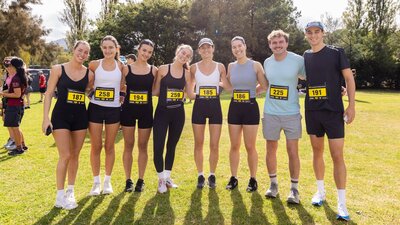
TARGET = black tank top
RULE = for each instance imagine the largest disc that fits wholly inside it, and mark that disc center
(71, 93)
(171, 90)
(139, 88)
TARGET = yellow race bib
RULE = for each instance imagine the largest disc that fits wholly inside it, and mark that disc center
(104, 94)
(242, 96)
(208, 92)
(174, 95)
(138, 97)
(279, 92)
(75, 97)
(317, 92)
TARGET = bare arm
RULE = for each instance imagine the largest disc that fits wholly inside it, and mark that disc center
(162, 71)
(224, 78)
(262, 80)
(55, 74)
(189, 87)
(350, 111)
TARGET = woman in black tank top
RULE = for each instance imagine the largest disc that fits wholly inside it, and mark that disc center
(170, 83)
(72, 80)
(138, 105)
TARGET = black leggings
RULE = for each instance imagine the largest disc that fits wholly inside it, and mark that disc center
(172, 120)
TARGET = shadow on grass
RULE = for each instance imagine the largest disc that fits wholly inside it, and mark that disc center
(304, 216)
(5, 157)
(72, 214)
(257, 216)
(279, 210)
(158, 210)
(109, 213)
(87, 213)
(239, 212)
(214, 215)
(127, 212)
(194, 215)
(331, 215)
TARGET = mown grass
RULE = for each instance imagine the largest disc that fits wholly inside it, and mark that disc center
(27, 182)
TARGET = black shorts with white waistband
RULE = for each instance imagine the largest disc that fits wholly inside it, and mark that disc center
(244, 113)
(102, 114)
(207, 108)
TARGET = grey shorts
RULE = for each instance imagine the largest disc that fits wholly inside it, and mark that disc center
(273, 124)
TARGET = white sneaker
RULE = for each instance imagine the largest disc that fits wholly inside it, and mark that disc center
(343, 214)
(8, 143)
(60, 202)
(318, 198)
(170, 183)
(70, 202)
(107, 188)
(272, 191)
(162, 187)
(95, 189)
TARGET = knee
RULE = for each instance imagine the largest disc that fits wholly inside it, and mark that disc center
(65, 157)
(142, 147)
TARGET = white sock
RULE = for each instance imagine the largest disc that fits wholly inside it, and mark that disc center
(273, 178)
(96, 179)
(201, 174)
(160, 175)
(70, 187)
(212, 174)
(167, 173)
(294, 183)
(320, 186)
(60, 193)
(341, 196)
(107, 179)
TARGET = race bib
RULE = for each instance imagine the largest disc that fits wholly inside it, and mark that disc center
(279, 92)
(208, 92)
(104, 94)
(174, 95)
(75, 97)
(317, 92)
(242, 96)
(138, 97)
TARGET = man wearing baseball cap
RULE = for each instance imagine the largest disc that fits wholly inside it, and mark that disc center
(326, 67)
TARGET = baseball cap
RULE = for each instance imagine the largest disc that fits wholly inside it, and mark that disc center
(318, 24)
(205, 41)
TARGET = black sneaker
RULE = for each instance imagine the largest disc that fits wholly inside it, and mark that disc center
(129, 185)
(24, 147)
(16, 152)
(201, 181)
(211, 181)
(252, 185)
(233, 183)
(139, 185)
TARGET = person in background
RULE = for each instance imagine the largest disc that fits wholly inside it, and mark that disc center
(42, 85)
(130, 58)
(28, 91)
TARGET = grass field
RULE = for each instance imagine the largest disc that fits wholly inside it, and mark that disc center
(372, 151)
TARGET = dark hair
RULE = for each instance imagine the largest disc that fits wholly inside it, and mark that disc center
(238, 38)
(114, 40)
(78, 42)
(131, 56)
(18, 63)
(146, 42)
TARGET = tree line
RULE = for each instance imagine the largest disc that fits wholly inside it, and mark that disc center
(367, 30)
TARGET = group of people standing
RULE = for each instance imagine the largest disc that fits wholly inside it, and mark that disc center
(121, 94)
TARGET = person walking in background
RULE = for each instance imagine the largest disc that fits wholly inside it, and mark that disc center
(42, 84)
(207, 76)
(69, 119)
(28, 91)
(171, 82)
(104, 111)
(138, 105)
(247, 79)
(282, 110)
(326, 68)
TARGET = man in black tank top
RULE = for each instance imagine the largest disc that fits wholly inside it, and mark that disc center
(326, 67)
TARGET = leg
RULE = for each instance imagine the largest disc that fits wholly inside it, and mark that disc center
(215, 134)
(250, 137)
(339, 167)
(95, 130)
(317, 144)
(235, 136)
(129, 142)
(76, 142)
(143, 142)
(109, 146)
(174, 134)
(272, 147)
(294, 160)
(62, 138)
(198, 131)
(159, 135)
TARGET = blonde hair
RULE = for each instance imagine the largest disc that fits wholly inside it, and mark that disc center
(278, 33)
(180, 48)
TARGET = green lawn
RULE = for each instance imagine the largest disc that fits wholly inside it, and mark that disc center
(27, 182)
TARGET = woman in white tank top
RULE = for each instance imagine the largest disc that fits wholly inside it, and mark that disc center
(208, 76)
(104, 108)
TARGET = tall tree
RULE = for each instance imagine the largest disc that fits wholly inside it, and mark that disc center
(75, 16)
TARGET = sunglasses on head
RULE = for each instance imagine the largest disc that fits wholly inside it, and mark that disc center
(6, 63)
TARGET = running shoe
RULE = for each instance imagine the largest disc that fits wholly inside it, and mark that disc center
(272, 191)
(211, 181)
(8, 143)
(95, 189)
(294, 197)
(107, 188)
(170, 183)
(252, 186)
(15, 152)
(128, 185)
(233, 183)
(70, 202)
(201, 180)
(343, 214)
(139, 185)
(162, 187)
(11, 147)
(60, 202)
(318, 199)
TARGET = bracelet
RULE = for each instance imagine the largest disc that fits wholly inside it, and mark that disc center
(123, 94)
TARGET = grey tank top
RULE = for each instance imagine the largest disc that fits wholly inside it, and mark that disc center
(244, 77)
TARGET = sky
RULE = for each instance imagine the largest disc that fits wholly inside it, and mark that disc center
(50, 10)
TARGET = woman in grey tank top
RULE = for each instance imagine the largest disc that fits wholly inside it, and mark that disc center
(247, 79)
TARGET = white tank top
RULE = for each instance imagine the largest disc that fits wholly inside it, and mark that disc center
(106, 86)
(203, 80)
